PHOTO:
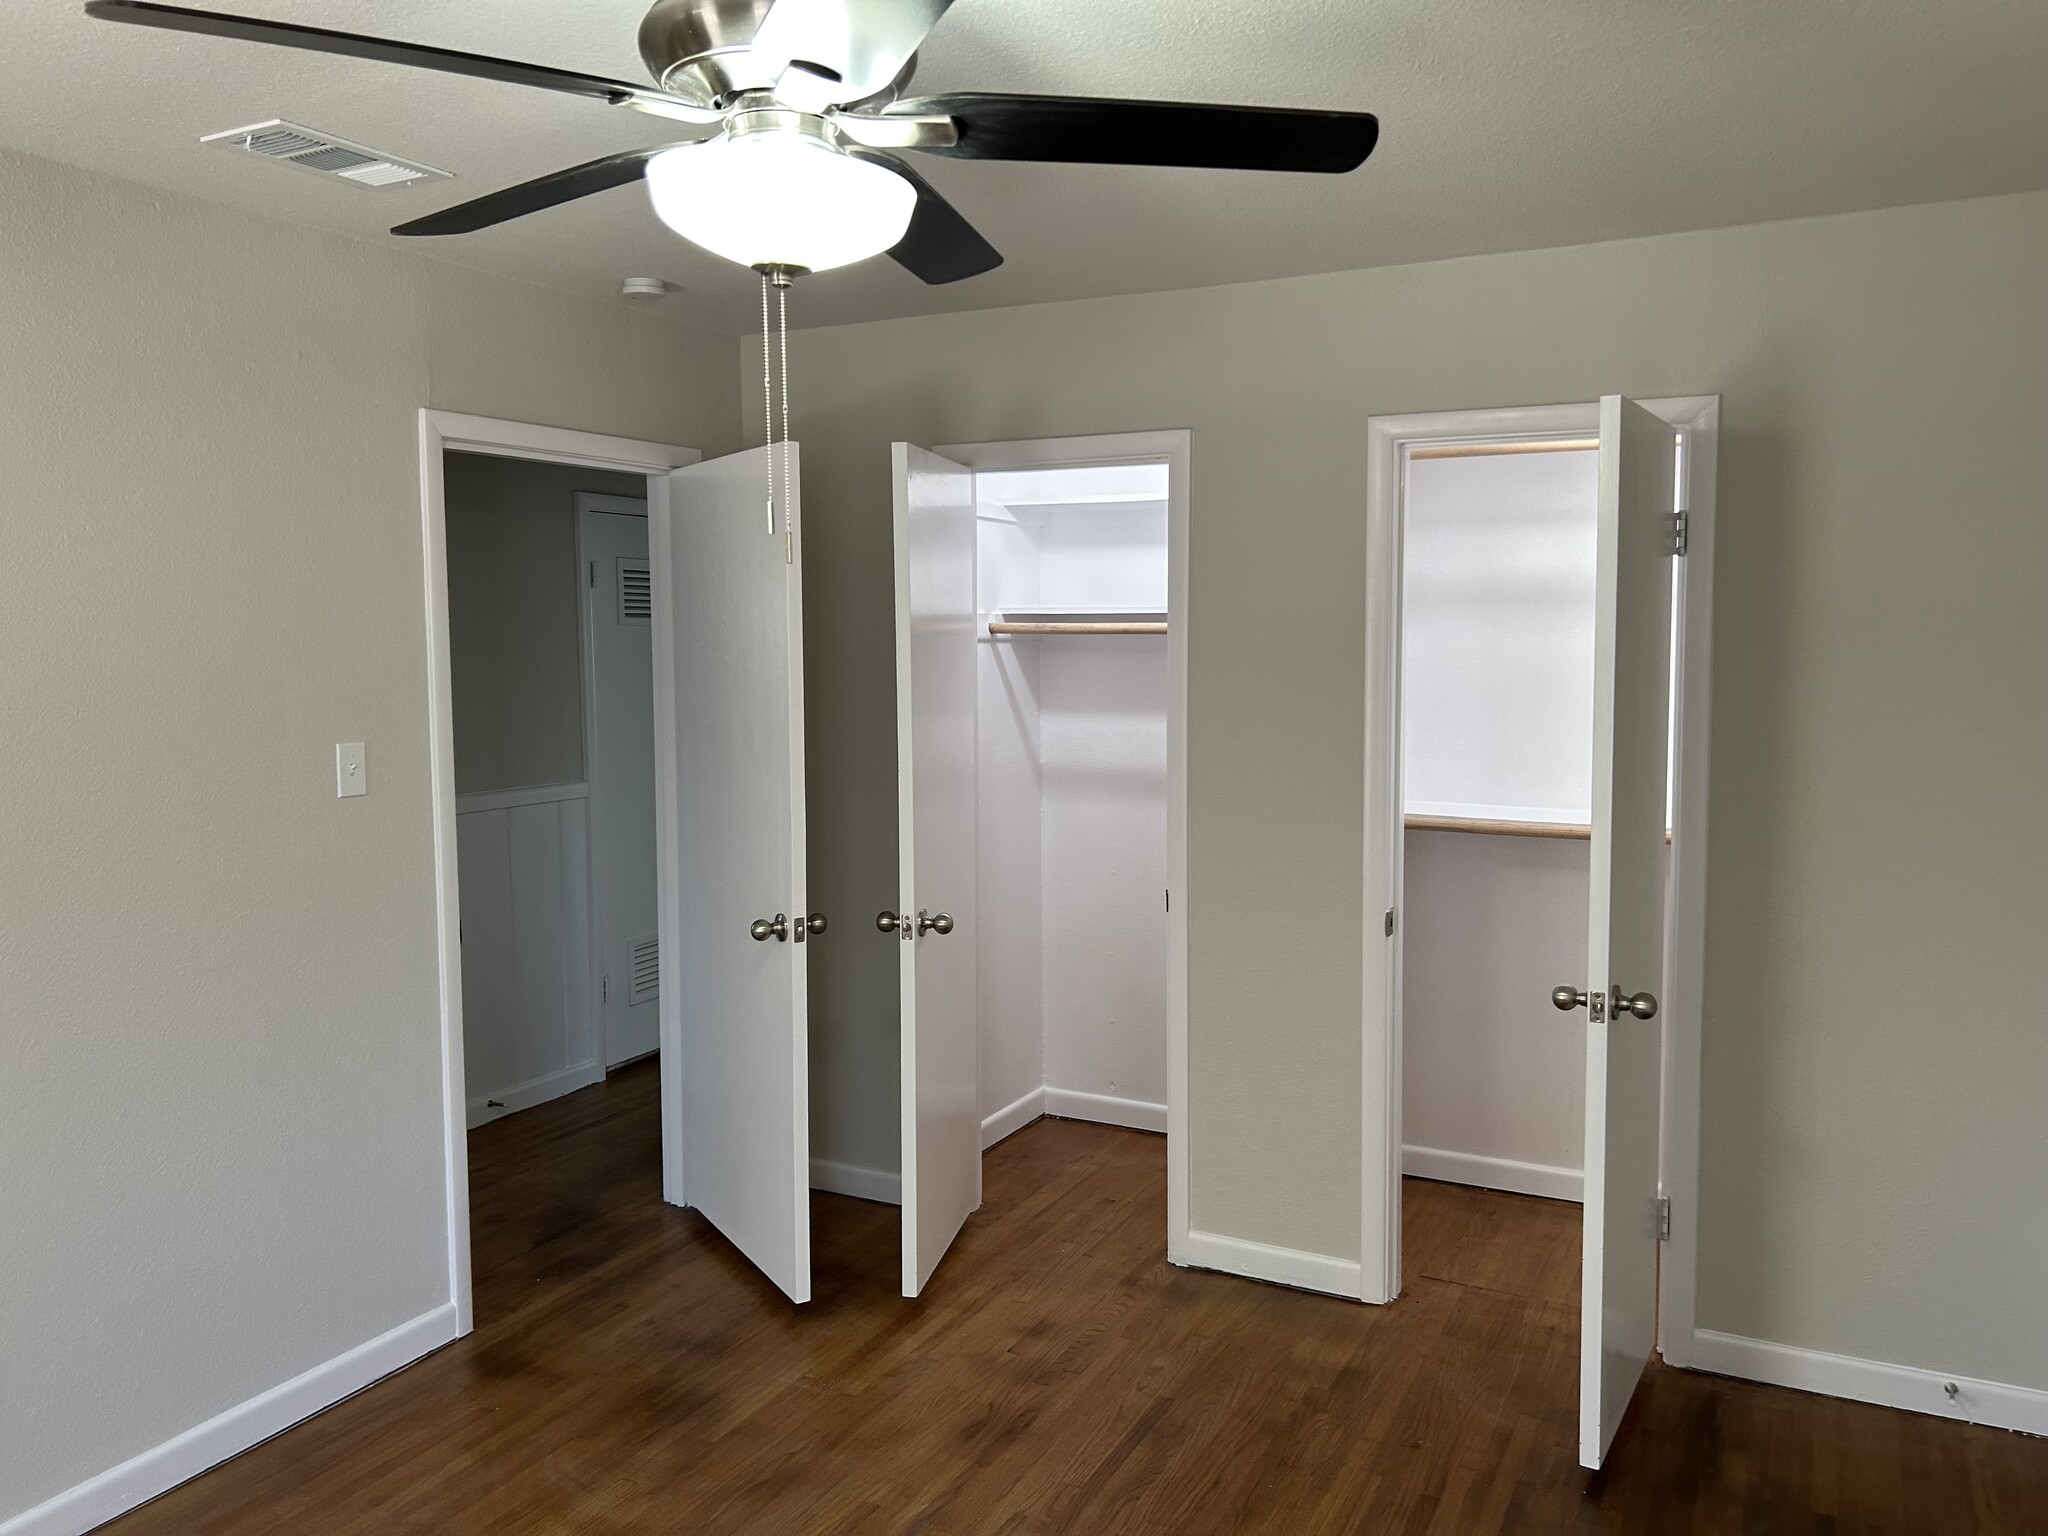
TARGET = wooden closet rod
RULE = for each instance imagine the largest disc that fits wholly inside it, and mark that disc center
(1012, 627)
(1568, 829)
(1493, 450)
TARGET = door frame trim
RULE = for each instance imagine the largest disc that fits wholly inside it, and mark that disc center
(1175, 448)
(441, 432)
(1697, 418)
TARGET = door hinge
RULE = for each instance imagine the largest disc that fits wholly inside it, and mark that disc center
(1681, 530)
(1390, 922)
(1663, 1218)
(605, 990)
(593, 573)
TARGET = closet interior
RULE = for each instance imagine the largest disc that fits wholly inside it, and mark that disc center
(1498, 551)
(1071, 707)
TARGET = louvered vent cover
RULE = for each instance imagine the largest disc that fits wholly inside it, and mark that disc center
(636, 592)
(646, 970)
(276, 139)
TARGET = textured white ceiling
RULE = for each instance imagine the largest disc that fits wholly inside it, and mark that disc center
(1506, 125)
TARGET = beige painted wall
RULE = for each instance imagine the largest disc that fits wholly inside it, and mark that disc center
(1874, 1147)
(220, 1116)
(513, 629)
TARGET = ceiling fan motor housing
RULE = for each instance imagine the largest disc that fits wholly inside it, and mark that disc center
(702, 50)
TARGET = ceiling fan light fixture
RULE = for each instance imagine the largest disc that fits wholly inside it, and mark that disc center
(780, 197)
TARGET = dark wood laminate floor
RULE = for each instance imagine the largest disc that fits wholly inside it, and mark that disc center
(630, 1374)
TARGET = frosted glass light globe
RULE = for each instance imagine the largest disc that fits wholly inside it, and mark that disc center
(780, 199)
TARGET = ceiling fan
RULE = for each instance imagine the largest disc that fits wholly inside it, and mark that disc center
(794, 110)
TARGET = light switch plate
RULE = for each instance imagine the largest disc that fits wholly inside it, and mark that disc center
(351, 772)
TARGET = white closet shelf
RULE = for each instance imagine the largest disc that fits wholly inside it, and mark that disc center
(1071, 621)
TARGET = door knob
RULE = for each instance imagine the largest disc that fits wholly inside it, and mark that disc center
(763, 929)
(1642, 1005)
(1567, 998)
(941, 925)
(887, 921)
(815, 922)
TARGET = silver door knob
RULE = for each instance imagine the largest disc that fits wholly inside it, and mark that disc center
(1567, 998)
(942, 924)
(887, 921)
(815, 922)
(763, 930)
(1642, 1004)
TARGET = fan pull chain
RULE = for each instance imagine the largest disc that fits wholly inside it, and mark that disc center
(788, 515)
(767, 402)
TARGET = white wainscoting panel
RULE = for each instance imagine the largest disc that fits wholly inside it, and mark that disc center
(527, 1028)
(141, 1478)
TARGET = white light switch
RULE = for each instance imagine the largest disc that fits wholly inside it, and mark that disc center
(351, 776)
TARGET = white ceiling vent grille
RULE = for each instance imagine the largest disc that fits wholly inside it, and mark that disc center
(276, 139)
(636, 592)
(646, 970)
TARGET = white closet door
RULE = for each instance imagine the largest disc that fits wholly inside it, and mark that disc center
(935, 776)
(619, 667)
(1625, 950)
(729, 813)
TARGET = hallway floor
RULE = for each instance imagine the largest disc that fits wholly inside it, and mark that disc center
(631, 1374)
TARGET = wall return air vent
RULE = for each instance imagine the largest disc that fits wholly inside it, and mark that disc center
(291, 144)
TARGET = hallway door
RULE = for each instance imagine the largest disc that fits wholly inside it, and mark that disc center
(618, 669)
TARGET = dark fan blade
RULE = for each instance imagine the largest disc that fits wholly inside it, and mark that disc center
(177, 18)
(940, 246)
(532, 196)
(1102, 132)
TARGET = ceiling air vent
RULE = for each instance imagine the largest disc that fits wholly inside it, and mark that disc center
(636, 592)
(322, 152)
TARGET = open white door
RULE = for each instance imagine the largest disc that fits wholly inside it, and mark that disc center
(729, 820)
(1625, 951)
(935, 761)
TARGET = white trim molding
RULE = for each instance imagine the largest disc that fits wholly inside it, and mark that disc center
(1974, 1401)
(1493, 1173)
(440, 433)
(877, 1184)
(1103, 1109)
(537, 1090)
(513, 799)
(1173, 447)
(158, 1470)
(1012, 1118)
(1277, 1266)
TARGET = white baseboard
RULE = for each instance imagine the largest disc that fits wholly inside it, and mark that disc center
(1996, 1403)
(141, 1478)
(509, 1101)
(1135, 1114)
(1281, 1266)
(1012, 1118)
(1494, 1173)
(852, 1179)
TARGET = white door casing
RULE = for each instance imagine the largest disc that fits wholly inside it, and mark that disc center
(618, 673)
(936, 614)
(729, 814)
(1626, 912)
